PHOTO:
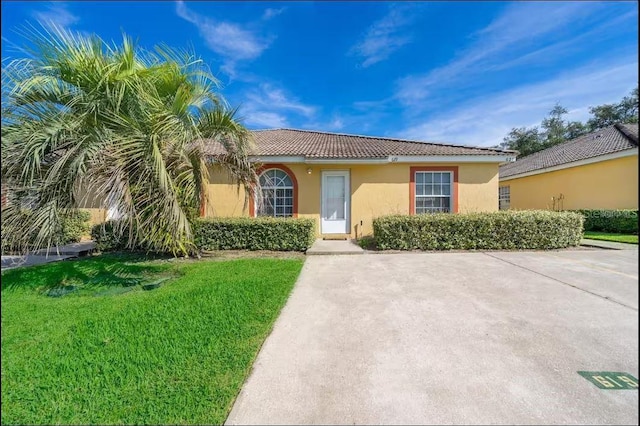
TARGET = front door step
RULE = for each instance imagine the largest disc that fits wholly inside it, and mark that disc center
(335, 237)
(323, 247)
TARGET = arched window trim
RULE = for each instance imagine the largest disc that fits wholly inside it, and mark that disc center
(276, 186)
(266, 167)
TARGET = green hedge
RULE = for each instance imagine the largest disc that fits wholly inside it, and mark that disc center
(616, 221)
(486, 231)
(228, 234)
(106, 238)
(74, 224)
(281, 234)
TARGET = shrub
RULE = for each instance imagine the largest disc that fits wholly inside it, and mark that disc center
(74, 224)
(483, 231)
(367, 242)
(108, 238)
(616, 221)
(281, 234)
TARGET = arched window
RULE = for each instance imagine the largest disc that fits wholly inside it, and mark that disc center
(277, 193)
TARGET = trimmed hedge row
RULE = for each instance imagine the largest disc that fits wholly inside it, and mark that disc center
(616, 221)
(74, 224)
(278, 234)
(106, 238)
(531, 229)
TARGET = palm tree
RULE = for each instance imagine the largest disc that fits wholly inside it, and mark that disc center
(82, 117)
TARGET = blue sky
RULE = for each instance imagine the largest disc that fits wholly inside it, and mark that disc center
(459, 72)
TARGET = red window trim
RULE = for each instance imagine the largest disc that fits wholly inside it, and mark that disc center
(412, 185)
(252, 205)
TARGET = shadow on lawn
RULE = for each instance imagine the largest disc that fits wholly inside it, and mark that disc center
(108, 270)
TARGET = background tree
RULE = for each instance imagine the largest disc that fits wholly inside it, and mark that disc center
(82, 117)
(524, 140)
(625, 111)
(555, 130)
(575, 129)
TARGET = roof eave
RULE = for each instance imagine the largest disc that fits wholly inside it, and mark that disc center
(460, 158)
(611, 156)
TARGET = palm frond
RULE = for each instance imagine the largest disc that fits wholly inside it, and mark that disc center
(81, 116)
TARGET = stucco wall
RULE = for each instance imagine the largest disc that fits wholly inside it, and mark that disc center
(92, 203)
(97, 215)
(376, 190)
(611, 184)
(223, 197)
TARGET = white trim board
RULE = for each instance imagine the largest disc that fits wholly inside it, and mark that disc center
(620, 154)
(385, 160)
(452, 158)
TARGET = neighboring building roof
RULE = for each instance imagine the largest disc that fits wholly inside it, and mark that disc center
(612, 139)
(314, 144)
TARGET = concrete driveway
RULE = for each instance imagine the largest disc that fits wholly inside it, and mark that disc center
(450, 338)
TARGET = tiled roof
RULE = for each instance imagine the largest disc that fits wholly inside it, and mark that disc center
(312, 144)
(611, 139)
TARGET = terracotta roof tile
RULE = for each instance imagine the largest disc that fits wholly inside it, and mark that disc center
(313, 144)
(601, 142)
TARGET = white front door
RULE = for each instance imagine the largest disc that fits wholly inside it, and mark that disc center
(335, 202)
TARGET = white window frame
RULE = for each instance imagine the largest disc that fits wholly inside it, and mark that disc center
(259, 202)
(504, 197)
(417, 197)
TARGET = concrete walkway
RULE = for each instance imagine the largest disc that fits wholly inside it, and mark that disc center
(334, 247)
(11, 262)
(608, 244)
(74, 249)
(52, 254)
(450, 338)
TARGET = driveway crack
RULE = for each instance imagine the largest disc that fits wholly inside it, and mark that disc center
(563, 282)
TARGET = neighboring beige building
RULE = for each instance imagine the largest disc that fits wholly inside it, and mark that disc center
(595, 171)
(344, 181)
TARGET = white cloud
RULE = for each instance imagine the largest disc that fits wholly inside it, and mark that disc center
(551, 51)
(230, 40)
(486, 120)
(508, 37)
(57, 15)
(384, 36)
(267, 105)
(336, 124)
(268, 96)
(271, 13)
(265, 119)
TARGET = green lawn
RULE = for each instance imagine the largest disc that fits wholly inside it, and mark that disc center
(606, 236)
(114, 354)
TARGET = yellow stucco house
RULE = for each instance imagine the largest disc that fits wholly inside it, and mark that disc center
(595, 171)
(344, 181)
